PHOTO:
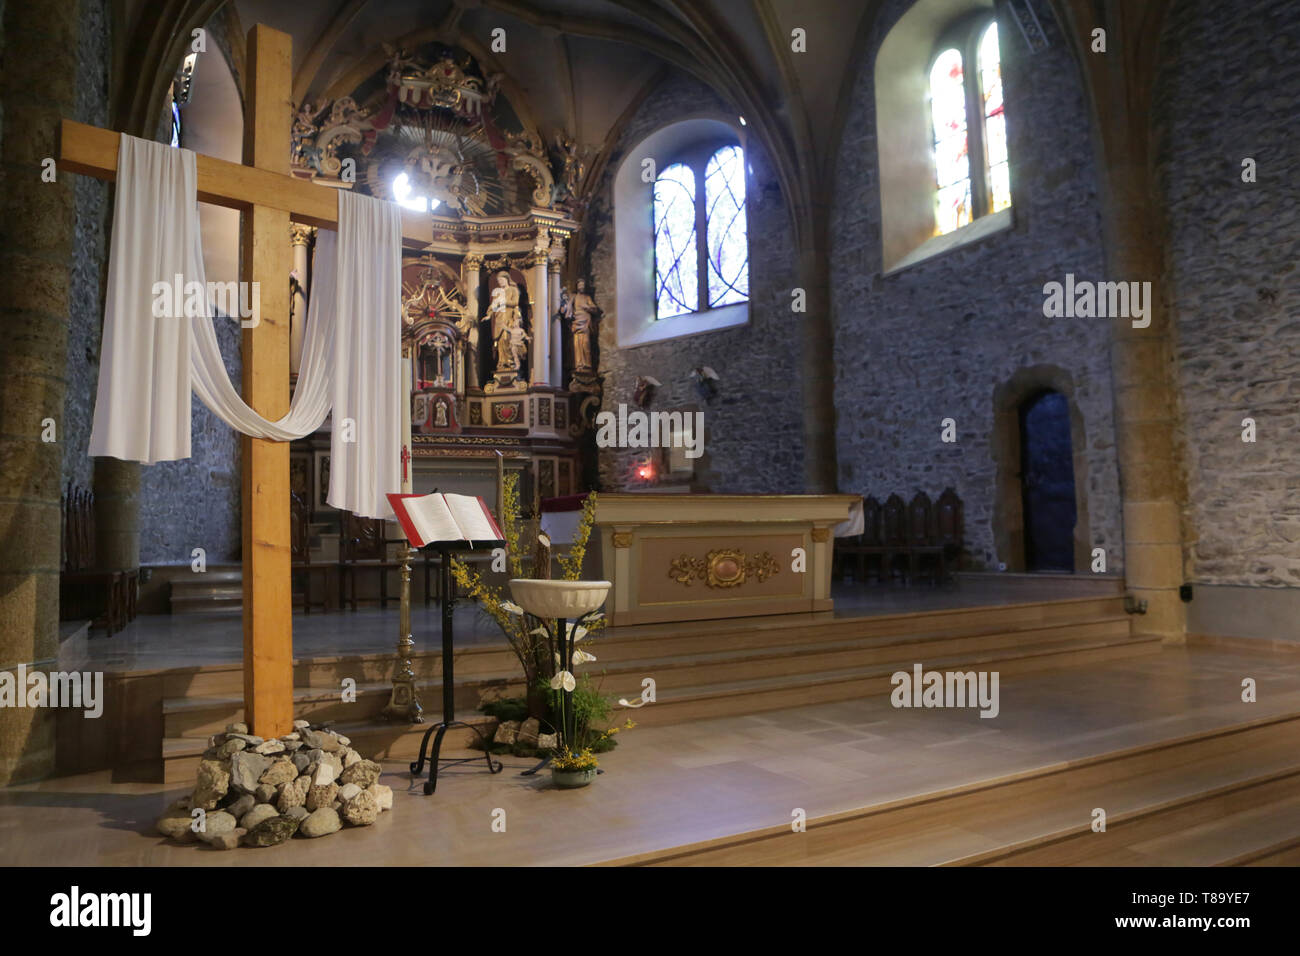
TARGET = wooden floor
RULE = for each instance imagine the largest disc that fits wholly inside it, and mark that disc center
(670, 788)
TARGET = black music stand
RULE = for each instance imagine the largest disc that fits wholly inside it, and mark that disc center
(448, 694)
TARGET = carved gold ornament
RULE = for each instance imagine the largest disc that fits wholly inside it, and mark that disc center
(723, 568)
(622, 539)
(821, 534)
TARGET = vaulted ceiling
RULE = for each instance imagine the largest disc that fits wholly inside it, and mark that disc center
(576, 65)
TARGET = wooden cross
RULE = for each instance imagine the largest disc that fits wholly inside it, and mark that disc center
(269, 198)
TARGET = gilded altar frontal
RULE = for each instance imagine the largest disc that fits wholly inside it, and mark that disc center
(838, 433)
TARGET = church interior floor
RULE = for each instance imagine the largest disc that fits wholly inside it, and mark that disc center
(155, 641)
(679, 784)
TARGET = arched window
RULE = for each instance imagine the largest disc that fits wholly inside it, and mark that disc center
(724, 202)
(995, 121)
(702, 193)
(968, 119)
(676, 258)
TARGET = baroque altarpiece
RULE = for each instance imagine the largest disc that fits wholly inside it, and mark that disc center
(501, 355)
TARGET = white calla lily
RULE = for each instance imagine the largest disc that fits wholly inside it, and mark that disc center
(582, 657)
(577, 633)
(510, 607)
(563, 680)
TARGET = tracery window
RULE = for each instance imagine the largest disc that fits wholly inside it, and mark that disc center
(965, 191)
(701, 194)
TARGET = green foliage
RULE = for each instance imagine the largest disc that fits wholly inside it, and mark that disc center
(507, 708)
(591, 709)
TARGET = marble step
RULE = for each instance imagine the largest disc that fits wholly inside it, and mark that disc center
(661, 642)
(192, 715)
(218, 590)
(1219, 828)
(1199, 788)
(675, 704)
(180, 753)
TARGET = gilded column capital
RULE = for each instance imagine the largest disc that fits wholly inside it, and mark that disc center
(473, 261)
(300, 235)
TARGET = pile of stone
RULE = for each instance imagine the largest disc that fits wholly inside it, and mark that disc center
(310, 782)
(526, 733)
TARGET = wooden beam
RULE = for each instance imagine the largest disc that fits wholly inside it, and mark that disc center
(92, 151)
(267, 260)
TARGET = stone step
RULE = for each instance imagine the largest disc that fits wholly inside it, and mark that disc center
(195, 716)
(491, 660)
(217, 590)
(1197, 791)
(679, 704)
(1221, 826)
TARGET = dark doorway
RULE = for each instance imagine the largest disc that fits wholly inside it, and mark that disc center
(1047, 482)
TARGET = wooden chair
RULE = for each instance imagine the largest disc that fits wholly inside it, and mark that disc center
(108, 598)
(301, 567)
(867, 546)
(363, 547)
(923, 547)
(949, 519)
(894, 536)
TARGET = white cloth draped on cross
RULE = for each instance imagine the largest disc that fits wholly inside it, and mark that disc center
(150, 361)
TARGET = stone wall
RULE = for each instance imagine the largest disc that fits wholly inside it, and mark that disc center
(1227, 90)
(89, 265)
(195, 503)
(753, 427)
(935, 340)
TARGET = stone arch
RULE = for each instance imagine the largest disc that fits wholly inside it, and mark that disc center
(1008, 508)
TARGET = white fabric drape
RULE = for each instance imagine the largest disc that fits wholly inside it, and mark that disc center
(366, 442)
(142, 406)
(351, 348)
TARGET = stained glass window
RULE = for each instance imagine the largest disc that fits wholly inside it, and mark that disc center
(724, 204)
(951, 150)
(676, 263)
(995, 121)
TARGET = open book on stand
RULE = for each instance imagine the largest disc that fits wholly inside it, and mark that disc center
(461, 520)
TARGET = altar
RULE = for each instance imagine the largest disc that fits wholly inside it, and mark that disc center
(674, 557)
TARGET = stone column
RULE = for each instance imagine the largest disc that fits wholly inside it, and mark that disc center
(117, 514)
(37, 88)
(1146, 418)
(557, 334)
(472, 264)
(1152, 482)
(539, 292)
(300, 237)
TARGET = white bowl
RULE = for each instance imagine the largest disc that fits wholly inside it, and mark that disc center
(553, 599)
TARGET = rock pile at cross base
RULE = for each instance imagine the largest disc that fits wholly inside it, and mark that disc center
(310, 782)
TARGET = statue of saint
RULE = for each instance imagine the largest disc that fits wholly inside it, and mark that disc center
(503, 307)
(518, 342)
(581, 310)
(468, 327)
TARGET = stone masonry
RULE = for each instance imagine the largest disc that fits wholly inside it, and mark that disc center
(1232, 253)
(753, 427)
(935, 340)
